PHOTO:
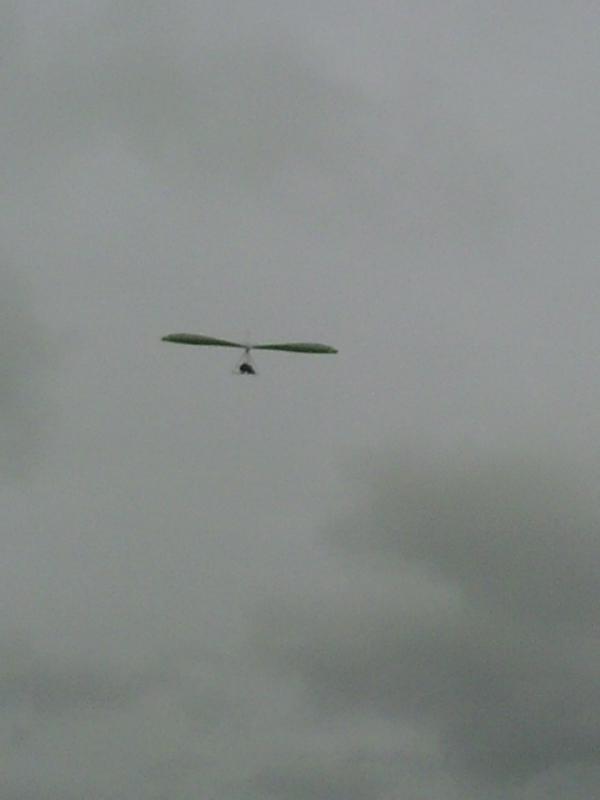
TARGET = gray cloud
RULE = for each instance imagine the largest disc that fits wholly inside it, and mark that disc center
(318, 778)
(10, 792)
(243, 111)
(44, 685)
(530, 530)
(416, 183)
(477, 619)
(25, 360)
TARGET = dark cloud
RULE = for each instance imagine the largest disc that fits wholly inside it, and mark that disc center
(241, 112)
(511, 530)
(10, 791)
(322, 777)
(416, 183)
(25, 358)
(10, 31)
(41, 684)
(477, 619)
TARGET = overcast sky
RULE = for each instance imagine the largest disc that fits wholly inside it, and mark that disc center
(374, 576)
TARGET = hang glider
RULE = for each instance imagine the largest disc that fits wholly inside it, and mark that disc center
(246, 365)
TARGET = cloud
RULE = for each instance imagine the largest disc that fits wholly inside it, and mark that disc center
(52, 686)
(464, 604)
(317, 777)
(24, 359)
(10, 792)
(190, 110)
(417, 179)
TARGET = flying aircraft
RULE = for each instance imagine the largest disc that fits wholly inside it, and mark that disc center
(246, 365)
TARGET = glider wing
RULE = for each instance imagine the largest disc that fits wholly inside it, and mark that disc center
(198, 339)
(297, 347)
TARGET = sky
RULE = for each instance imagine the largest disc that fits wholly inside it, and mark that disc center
(369, 576)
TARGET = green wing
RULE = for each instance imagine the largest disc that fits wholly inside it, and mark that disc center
(209, 341)
(297, 347)
(196, 338)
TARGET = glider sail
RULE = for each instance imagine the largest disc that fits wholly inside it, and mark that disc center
(246, 366)
(194, 338)
(297, 347)
(287, 347)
